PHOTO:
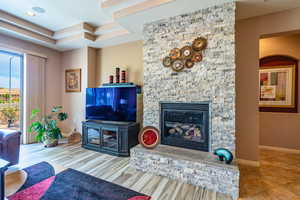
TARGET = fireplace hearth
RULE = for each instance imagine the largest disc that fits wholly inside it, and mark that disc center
(185, 125)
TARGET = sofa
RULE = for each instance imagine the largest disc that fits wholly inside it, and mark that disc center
(10, 145)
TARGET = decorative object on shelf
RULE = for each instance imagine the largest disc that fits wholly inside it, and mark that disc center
(117, 84)
(123, 76)
(224, 154)
(111, 79)
(175, 53)
(149, 137)
(199, 44)
(46, 126)
(186, 52)
(187, 56)
(73, 80)
(278, 84)
(117, 75)
(167, 61)
(178, 65)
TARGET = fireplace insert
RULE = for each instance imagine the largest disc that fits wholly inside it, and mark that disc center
(185, 125)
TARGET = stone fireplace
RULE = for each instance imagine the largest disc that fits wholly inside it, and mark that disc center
(185, 125)
(211, 80)
(194, 109)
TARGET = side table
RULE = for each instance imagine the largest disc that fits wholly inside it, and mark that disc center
(3, 167)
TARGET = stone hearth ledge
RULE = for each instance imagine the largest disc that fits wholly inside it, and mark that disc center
(191, 166)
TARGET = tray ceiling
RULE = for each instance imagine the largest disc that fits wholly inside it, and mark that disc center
(69, 24)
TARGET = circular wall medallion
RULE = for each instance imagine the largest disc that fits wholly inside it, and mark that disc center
(167, 61)
(177, 65)
(199, 43)
(197, 57)
(149, 137)
(175, 53)
(189, 63)
(186, 52)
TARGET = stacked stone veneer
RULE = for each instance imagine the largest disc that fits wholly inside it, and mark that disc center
(190, 166)
(211, 80)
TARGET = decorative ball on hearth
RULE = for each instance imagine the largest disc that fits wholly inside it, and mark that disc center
(149, 137)
(224, 154)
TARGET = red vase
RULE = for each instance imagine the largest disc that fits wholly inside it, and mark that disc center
(111, 79)
(123, 76)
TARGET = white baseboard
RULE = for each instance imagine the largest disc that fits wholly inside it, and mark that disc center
(296, 151)
(251, 163)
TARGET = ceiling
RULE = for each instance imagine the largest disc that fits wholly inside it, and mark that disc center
(69, 24)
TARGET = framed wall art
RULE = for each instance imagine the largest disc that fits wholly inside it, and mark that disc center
(278, 80)
(73, 80)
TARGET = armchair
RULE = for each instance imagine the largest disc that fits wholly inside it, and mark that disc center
(10, 146)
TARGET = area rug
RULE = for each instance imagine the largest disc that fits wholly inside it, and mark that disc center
(43, 184)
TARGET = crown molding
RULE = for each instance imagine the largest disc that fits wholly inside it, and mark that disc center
(139, 8)
(112, 35)
(4, 16)
(111, 3)
(25, 32)
(74, 30)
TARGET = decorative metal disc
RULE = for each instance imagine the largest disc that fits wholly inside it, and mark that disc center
(197, 57)
(189, 63)
(175, 53)
(199, 44)
(178, 65)
(167, 61)
(186, 52)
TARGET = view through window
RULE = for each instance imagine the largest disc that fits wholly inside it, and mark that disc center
(10, 90)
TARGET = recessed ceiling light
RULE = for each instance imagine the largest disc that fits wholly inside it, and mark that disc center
(29, 13)
(38, 9)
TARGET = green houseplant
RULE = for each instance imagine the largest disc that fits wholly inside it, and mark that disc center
(45, 127)
(10, 114)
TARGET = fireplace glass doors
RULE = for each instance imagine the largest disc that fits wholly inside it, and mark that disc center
(185, 125)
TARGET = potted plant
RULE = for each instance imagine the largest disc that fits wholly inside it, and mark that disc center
(10, 114)
(46, 126)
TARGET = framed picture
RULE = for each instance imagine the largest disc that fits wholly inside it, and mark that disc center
(73, 80)
(278, 86)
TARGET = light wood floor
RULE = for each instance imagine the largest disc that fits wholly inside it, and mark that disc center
(278, 178)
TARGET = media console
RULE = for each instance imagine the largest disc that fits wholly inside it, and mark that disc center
(115, 138)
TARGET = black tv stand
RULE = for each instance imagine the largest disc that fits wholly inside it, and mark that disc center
(115, 138)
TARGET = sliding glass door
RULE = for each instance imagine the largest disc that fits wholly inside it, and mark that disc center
(11, 90)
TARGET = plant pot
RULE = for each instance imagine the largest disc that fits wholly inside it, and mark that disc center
(49, 142)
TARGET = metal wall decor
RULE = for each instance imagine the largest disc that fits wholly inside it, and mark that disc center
(187, 56)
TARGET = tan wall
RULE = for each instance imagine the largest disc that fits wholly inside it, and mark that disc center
(280, 129)
(248, 33)
(74, 102)
(128, 56)
(53, 70)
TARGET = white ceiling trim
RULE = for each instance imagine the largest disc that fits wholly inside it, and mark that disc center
(73, 30)
(21, 31)
(111, 3)
(25, 24)
(112, 35)
(139, 8)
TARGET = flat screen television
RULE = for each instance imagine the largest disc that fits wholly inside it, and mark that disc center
(111, 104)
